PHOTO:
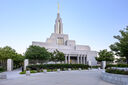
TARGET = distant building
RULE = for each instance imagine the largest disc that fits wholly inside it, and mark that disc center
(79, 54)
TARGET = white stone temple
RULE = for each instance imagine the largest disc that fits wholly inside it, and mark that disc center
(80, 54)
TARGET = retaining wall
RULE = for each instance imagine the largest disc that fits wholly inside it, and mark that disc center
(115, 78)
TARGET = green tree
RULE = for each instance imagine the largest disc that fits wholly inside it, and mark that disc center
(60, 56)
(120, 47)
(121, 60)
(105, 55)
(57, 56)
(18, 60)
(9, 53)
(37, 53)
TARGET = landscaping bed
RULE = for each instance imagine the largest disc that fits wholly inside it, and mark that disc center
(95, 67)
(117, 71)
(2, 69)
(35, 71)
(57, 66)
(117, 65)
(54, 67)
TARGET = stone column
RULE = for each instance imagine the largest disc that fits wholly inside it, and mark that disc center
(103, 64)
(77, 59)
(26, 62)
(84, 59)
(68, 59)
(65, 59)
(9, 65)
(81, 59)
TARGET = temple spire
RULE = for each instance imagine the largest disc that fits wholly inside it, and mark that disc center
(58, 28)
(58, 7)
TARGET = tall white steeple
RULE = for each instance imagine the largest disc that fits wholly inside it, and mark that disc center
(58, 27)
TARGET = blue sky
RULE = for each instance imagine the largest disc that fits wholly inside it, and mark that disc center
(89, 22)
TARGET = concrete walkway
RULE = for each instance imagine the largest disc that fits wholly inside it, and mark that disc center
(13, 74)
(91, 77)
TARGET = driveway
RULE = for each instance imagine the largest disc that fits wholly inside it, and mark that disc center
(85, 77)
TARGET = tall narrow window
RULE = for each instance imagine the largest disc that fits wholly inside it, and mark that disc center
(60, 41)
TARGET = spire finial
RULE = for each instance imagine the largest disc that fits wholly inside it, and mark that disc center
(58, 7)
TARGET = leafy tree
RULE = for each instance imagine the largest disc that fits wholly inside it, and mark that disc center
(9, 53)
(18, 60)
(37, 53)
(105, 55)
(61, 57)
(121, 60)
(121, 46)
(57, 56)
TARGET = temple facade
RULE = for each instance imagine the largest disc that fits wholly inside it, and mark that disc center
(74, 54)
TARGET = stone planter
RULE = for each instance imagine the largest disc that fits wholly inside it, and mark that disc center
(116, 79)
(3, 76)
(58, 70)
(79, 69)
(28, 73)
(69, 69)
(45, 71)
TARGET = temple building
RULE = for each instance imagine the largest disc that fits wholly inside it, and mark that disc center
(80, 54)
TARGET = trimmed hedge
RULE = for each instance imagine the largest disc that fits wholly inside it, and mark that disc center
(116, 71)
(2, 69)
(96, 67)
(117, 65)
(57, 66)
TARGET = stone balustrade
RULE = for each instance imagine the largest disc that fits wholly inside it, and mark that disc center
(115, 78)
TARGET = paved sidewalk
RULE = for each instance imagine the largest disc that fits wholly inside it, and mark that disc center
(13, 74)
(91, 77)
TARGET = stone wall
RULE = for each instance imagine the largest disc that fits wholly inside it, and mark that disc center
(115, 78)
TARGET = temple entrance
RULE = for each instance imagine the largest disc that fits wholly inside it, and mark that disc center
(73, 59)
